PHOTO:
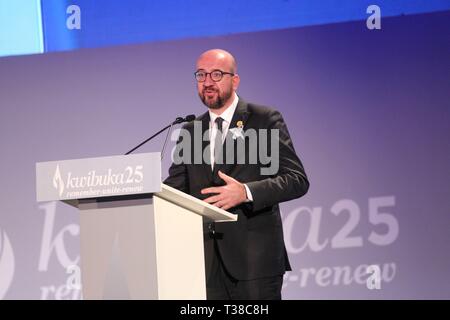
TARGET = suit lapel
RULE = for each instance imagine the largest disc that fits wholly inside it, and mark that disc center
(206, 168)
(240, 114)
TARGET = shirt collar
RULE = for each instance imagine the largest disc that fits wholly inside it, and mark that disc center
(227, 115)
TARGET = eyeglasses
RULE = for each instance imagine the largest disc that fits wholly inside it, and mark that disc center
(216, 75)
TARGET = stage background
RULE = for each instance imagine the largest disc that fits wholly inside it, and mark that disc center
(368, 112)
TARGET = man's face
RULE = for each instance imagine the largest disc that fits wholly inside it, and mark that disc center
(216, 94)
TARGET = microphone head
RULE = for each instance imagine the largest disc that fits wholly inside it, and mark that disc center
(178, 120)
(188, 118)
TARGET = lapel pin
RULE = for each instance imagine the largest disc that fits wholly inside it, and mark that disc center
(240, 124)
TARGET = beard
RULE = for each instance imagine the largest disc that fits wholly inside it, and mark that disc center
(218, 101)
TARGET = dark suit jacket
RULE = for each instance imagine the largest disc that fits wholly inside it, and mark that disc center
(253, 247)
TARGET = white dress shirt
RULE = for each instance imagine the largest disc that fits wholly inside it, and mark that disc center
(227, 116)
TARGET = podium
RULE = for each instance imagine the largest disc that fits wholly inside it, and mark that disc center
(140, 239)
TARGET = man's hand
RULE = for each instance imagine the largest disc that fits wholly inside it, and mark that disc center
(228, 196)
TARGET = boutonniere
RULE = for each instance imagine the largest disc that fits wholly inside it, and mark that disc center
(237, 132)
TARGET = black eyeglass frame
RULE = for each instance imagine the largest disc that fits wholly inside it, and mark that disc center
(210, 74)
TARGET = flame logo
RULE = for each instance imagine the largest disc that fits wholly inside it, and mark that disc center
(6, 264)
(58, 182)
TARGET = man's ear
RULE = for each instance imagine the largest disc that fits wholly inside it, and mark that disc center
(236, 80)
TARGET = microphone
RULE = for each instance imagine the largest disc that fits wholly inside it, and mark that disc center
(188, 118)
(178, 120)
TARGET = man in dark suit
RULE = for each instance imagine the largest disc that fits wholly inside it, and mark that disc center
(244, 259)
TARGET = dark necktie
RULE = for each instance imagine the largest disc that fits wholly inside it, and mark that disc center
(218, 142)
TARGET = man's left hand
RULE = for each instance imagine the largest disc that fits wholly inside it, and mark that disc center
(228, 196)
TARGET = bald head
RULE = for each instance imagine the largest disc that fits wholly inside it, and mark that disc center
(218, 56)
(217, 94)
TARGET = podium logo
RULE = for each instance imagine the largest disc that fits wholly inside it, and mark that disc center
(6, 264)
(89, 183)
(58, 182)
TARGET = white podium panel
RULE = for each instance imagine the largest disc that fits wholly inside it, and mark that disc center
(141, 239)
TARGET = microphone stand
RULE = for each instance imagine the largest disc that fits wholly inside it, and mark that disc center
(165, 141)
(177, 121)
(143, 142)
